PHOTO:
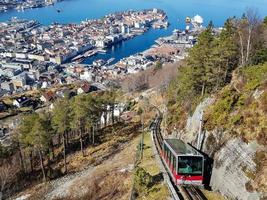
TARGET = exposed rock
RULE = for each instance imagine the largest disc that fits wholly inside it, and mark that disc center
(257, 94)
(193, 122)
(234, 167)
(232, 164)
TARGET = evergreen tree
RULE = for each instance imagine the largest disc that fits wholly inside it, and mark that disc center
(79, 115)
(46, 118)
(225, 54)
(25, 137)
(41, 140)
(200, 60)
(61, 122)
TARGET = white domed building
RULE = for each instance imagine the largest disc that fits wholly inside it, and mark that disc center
(197, 21)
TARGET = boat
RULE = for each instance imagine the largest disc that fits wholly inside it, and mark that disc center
(19, 7)
(90, 53)
(102, 51)
(99, 63)
(77, 57)
(3, 9)
(110, 60)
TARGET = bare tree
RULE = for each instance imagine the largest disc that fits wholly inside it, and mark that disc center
(152, 77)
(136, 82)
(7, 173)
(247, 29)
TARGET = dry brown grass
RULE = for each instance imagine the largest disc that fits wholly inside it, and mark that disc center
(212, 195)
(150, 78)
(110, 177)
(107, 185)
(108, 180)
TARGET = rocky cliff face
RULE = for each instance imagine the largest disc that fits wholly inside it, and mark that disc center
(232, 163)
(234, 166)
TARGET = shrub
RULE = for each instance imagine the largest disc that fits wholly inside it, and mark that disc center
(254, 76)
(259, 158)
(249, 187)
(143, 180)
(236, 119)
(218, 114)
(263, 104)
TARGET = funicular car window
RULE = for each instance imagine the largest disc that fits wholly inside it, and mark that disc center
(190, 165)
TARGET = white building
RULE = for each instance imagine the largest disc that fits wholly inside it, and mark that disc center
(87, 75)
(118, 109)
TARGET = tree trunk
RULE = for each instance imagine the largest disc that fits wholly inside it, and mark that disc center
(248, 45)
(59, 140)
(49, 164)
(218, 78)
(93, 134)
(203, 89)
(105, 118)
(64, 153)
(241, 49)
(226, 72)
(67, 139)
(81, 141)
(1, 195)
(48, 159)
(71, 133)
(31, 163)
(21, 159)
(112, 113)
(42, 164)
(52, 149)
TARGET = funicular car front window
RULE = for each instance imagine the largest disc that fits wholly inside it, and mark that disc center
(190, 165)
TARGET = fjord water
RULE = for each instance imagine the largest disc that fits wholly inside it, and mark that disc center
(74, 11)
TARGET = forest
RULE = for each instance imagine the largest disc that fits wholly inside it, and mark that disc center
(45, 138)
(216, 61)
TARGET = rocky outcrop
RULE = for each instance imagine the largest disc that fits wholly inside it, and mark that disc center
(195, 121)
(234, 166)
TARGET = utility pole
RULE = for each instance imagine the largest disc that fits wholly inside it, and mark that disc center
(142, 139)
(199, 131)
(142, 121)
(93, 134)
(165, 120)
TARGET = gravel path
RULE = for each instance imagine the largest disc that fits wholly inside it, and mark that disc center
(61, 187)
(66, 186)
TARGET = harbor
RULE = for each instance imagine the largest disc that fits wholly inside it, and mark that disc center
(80, 58)
(60, 43)
(77, 11)
(24, 5)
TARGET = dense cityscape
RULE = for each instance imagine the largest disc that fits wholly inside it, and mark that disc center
(22, 5)
(30, 51)
(36, 57)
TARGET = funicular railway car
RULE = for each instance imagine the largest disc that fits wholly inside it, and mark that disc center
(184, 163)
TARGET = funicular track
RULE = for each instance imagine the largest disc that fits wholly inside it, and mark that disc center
(182, 192)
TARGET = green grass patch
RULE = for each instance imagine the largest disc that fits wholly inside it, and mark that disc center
(219, 113)
(254, 76)
(148, 162)
(148, 179)
(240, 112)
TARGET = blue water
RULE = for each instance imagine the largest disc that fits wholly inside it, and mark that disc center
(73, 11)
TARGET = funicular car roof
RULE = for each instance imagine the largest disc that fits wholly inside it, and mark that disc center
(181, 148)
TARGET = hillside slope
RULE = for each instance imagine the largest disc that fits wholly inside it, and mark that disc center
(234, 134)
